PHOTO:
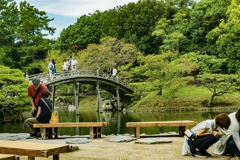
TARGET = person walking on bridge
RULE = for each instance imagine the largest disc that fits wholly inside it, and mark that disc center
(73, 65)
(50, 68)
(114, 73)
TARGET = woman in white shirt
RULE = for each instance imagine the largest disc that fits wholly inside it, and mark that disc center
(230, 144)
(206, 133)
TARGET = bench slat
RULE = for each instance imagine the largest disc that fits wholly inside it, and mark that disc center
(71, 124)
(94, 127)
(160, 123)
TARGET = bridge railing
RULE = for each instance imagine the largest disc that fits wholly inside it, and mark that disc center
(45, 76)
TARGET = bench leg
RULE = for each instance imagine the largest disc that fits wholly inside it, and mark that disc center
(182, 130)
(31, 158)
(44, 133)
(56, 157)
(137, 132)
(56, 132)
(91, 134)
(99, 131)
(49, 133)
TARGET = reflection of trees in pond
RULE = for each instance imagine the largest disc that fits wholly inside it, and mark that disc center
(210, 115)
(117, 121)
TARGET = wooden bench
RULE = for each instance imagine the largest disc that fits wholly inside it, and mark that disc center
(94, 128)
(8, 157)
(181, 124)
(32, 149)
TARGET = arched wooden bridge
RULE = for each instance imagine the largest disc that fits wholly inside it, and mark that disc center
(102, 82)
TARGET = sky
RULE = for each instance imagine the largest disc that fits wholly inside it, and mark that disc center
(66, 12)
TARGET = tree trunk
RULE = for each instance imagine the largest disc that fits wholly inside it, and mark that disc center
(160, 91)
(210, 101)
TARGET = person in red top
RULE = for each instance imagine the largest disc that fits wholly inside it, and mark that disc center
(34, 92)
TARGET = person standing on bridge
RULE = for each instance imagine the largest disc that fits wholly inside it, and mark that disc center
(54, 68)
(65, 67)
(114, 73)
(50, 68)
(34, 92)
(73, 65)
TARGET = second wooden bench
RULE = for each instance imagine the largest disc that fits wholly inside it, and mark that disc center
(94, 127)
(181, 124)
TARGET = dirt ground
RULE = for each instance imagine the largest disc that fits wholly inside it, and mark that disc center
(100, 149)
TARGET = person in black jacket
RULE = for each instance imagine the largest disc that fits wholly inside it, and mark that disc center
(43, 115)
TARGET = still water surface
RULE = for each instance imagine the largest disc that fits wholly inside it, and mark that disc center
(117, 121)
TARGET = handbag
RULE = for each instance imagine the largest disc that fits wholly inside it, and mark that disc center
(190, 135)
(54, 116)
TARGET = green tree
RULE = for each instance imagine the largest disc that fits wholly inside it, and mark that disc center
(225, 37)
(206, 71)
(8, 23)
(110, 52)
(219, 84)
(13, 97)
(194, 64)
(85, 31)
(31, 32)
(159, 72)
(204, 17)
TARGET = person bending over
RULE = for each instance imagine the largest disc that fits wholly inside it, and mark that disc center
(206, 133)
(43, 115)
(230, 144)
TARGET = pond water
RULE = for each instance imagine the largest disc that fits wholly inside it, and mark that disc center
(117, 121)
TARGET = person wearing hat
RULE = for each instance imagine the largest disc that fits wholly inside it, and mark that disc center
(34, 92)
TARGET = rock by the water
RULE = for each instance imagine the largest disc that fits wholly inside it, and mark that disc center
(77, 140)
(120, 138)
(153, 140)
(13, 136)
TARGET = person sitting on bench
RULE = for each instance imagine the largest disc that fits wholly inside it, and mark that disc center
(43, 115)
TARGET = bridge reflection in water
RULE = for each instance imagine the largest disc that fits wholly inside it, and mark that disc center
(118, 88)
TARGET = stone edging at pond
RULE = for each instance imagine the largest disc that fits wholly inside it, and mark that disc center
(202, 109)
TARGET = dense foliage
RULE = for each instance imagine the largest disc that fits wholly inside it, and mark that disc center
(23, 30)
(13, 94)
(155, 26)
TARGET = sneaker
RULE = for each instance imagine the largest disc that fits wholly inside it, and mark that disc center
(200, 155)
(38, 135)
(208, 154)
(32, 136)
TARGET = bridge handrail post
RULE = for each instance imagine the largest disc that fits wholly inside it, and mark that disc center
(97, 72)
